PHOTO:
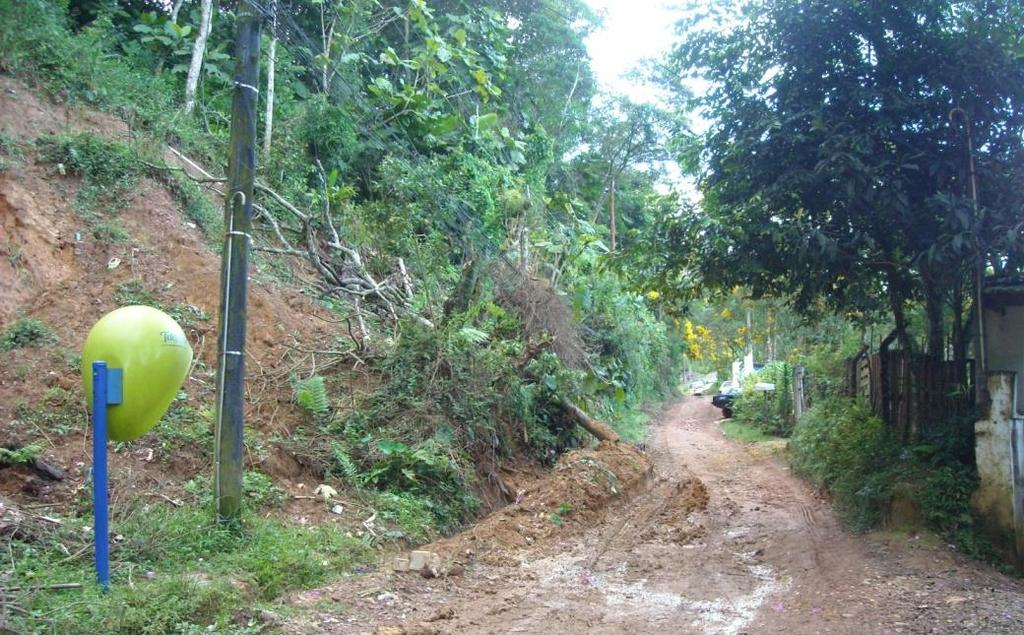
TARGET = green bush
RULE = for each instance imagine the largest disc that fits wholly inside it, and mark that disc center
(770, 411)
(945, 499)
(410, 513)
(839, 445)
(452, 395)
(437, 477)
(24, 333)
(110, 170)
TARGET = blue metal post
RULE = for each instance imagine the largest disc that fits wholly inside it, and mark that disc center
(99, 473)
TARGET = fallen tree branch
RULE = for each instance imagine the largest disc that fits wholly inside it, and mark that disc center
(597, 428)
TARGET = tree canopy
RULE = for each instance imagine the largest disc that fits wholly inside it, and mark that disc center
(836, 167)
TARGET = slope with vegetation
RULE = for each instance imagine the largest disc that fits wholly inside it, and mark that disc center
(433, 277)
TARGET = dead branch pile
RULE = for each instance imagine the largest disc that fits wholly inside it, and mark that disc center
(317, 241)
(543, 312)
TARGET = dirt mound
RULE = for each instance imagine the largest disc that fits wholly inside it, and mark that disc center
(572, 495)
(673, 522)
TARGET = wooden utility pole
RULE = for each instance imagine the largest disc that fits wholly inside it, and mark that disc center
(235, 267)
(612, 213)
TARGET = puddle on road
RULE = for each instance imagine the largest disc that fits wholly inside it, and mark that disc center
(635, 601)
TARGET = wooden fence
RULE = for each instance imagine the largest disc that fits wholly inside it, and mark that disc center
(911, 392)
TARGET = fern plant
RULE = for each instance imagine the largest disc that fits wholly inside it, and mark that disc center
(344, 461)
(311, 395)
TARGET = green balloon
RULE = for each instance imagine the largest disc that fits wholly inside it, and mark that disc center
(153, 352)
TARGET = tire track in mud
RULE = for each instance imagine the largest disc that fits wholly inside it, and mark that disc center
(722, 539)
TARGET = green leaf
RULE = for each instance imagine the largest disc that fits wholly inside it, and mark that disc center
(388, 447)
(473, 335)
(487, 121)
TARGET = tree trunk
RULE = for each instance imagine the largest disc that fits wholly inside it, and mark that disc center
(198, 52)
(175, 9)
(268, 120)
(597, 428)
(958, 339)
(611, 214)
(933, 310)
(896, 298)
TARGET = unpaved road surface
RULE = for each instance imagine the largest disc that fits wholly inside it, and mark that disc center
(722, 539)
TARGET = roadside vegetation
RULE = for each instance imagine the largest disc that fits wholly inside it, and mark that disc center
(838, 444)
(845, 213)
(492, 238)
(437, 176)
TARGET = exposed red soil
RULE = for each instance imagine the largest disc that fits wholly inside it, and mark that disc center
(54, 270)
(570, 496)
(720, 539)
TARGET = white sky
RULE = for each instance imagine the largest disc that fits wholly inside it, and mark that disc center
(633, 31)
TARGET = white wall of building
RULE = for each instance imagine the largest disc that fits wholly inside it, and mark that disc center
(1004, 335)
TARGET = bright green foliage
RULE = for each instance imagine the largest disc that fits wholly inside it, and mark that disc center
(24, 333)
(635, 351)
(558, 516)
(770, 411)
(22, 455)
(311, 395)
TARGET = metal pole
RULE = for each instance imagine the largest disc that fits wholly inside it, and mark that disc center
(101, 529)
(235, 268)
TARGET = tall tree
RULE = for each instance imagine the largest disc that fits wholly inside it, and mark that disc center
(268, 118)
(831, 169)
(198, 53)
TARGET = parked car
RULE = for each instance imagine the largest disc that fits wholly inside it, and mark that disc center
(726, 396)
(701, 387)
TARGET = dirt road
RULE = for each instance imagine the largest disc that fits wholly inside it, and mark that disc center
(722, 540)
